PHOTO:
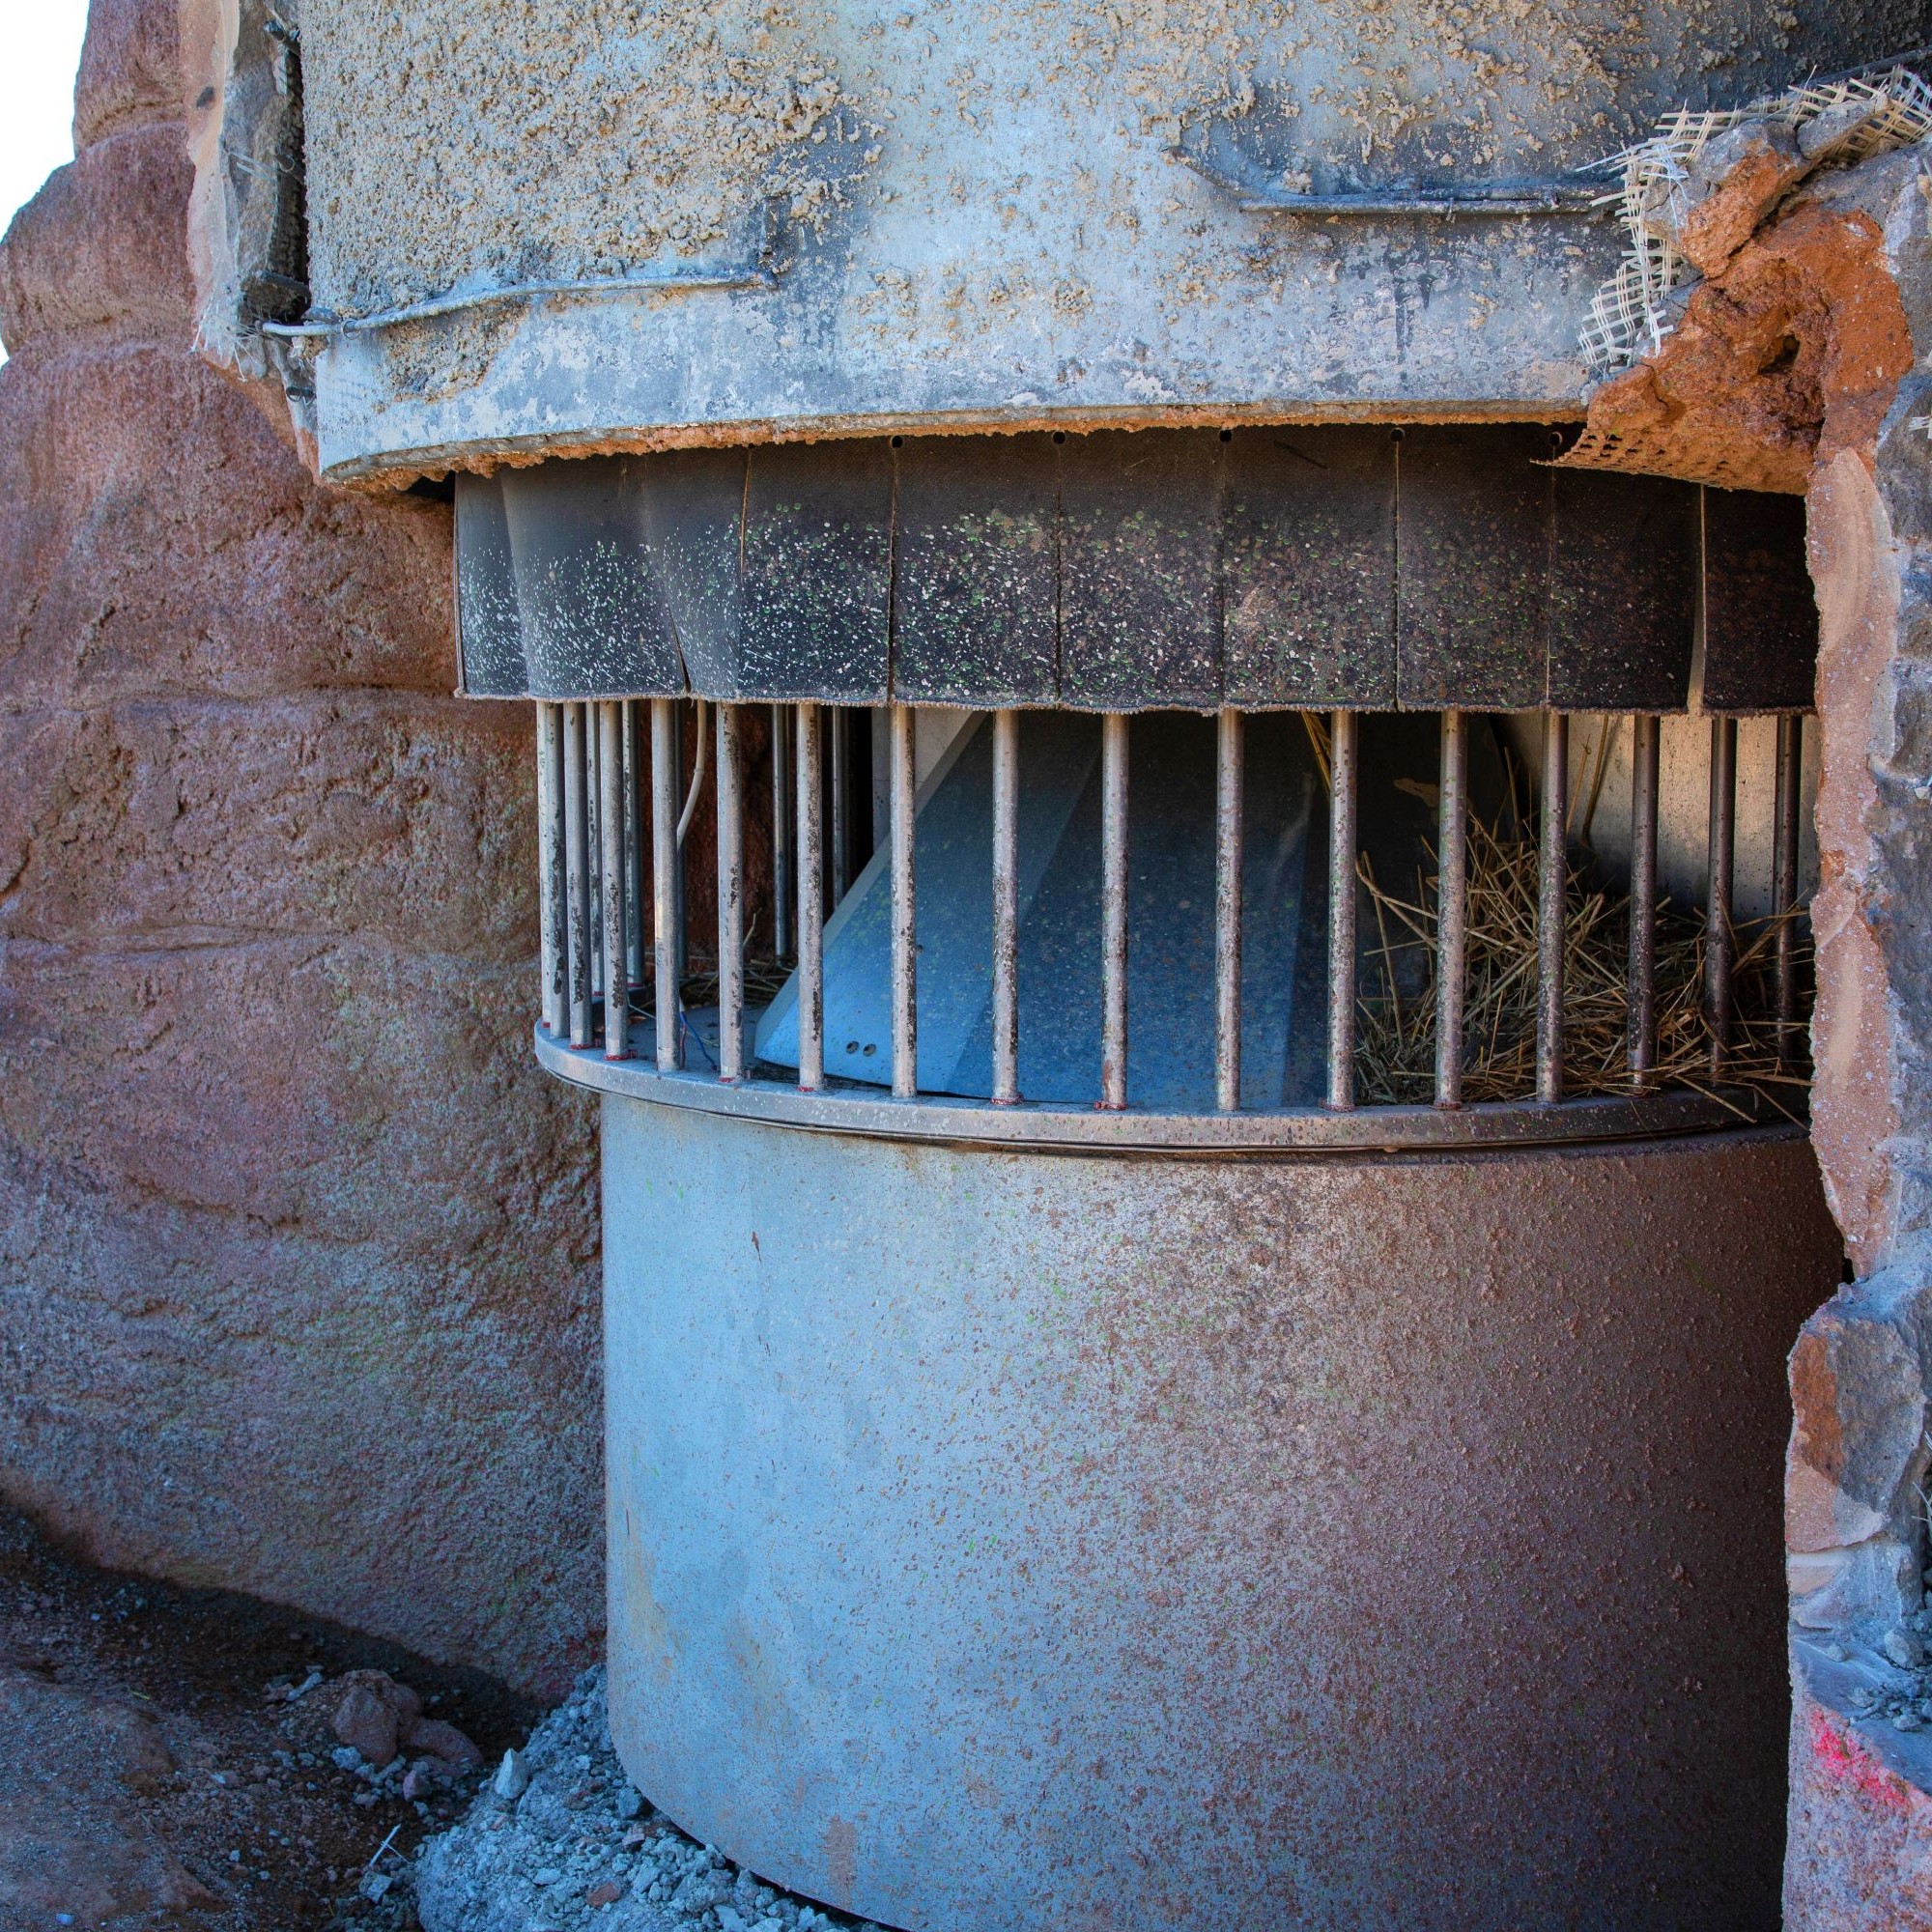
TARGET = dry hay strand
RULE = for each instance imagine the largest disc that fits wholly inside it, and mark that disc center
(1395, 1035)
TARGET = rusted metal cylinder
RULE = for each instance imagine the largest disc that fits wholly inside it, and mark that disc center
(730, 893)
(1642, 1026)
(615, 908)
(906, 905)
(1227, 842)
(1113, 909)
(1185, 1544)
(1551, 924)
(1341, 841)
(1006, 907)
(1452, 898)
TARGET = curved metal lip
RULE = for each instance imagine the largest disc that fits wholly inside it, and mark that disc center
(1475, 198)
(873, 1114)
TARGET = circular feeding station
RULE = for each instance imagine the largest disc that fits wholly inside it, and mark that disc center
(1202, 1042)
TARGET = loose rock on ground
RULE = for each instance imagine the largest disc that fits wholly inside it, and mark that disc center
(560, 1839)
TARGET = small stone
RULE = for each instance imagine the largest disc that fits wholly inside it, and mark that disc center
(365, 1724)
(345, 1757)
(605, 1893)
(513, 1776)
(437, 1739)
(1824, 132)
(630, 1801)
(1906, 1720)
(1837, 1652)
(1903, 1647)
(547, 1875)
(375, 1886)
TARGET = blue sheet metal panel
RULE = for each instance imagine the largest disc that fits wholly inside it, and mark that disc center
(1170, 961)
(694, 505)
(593, 624)
(488, 626)
(976, 576)
(817, 566)
(1473, 567)
(1623, 592)
(1760, 612)
(1140, 569)
(1308, 567)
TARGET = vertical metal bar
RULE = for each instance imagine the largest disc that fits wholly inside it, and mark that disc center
(593, 836)
(1113, 909)
(665, 907)
(1342, 776)
(784, 888)
(1784, 878)
(1006, 907)
(550, 864)
(1452, 909)
(1551, 890)
(1229, 807)
(905, 922)
(811, 903)
(841, 801)
(577, 873)
(616, 910)
(1641, 999)
(1717, 903)
(634, 949)
(730, 893)
(680, 933)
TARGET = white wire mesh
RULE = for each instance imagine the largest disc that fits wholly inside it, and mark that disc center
(1632, 313)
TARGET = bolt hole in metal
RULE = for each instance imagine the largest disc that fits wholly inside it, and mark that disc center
(1529, 978)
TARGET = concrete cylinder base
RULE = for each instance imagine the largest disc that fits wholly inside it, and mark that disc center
(1009, 1540)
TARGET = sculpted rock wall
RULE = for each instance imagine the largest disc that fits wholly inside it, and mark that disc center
(297, 1250)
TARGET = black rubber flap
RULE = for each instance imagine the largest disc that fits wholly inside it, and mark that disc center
(818, 546)
(1473, 573)
(490, 631)
(1760, 615)
(1623, 592)
(590, 607)
(976, 571)
(1266, 568)
(1308, 568)
(1139, 588)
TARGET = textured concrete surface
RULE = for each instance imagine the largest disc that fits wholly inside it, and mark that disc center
(296, 1248)
(1200, 1544)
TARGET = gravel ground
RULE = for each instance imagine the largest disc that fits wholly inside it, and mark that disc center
(578, 1846)
(156, 1771)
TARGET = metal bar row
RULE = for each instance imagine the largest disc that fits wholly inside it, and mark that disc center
(591, 812)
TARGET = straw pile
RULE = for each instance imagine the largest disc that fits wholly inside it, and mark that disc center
(1395, 1038)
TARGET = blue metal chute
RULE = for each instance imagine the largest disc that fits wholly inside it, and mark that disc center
(1172, 922)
